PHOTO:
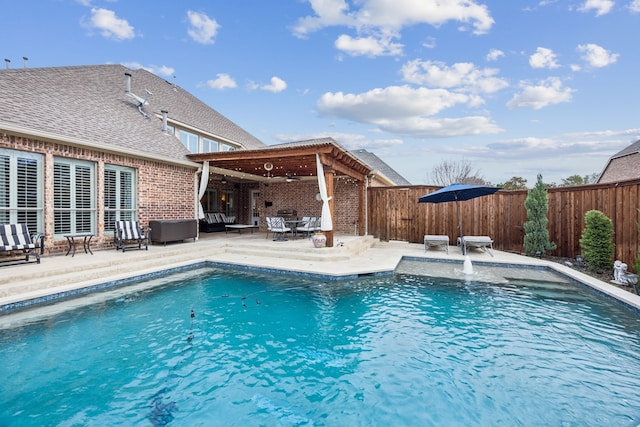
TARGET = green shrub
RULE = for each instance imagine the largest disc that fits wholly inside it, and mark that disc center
(597, 241)
(536, 237)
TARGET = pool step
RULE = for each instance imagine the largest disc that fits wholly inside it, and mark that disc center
(46, 278)
(59, 273)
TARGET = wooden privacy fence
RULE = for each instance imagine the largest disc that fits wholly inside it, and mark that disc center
(395, 214)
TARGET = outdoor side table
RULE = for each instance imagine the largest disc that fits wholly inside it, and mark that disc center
(86, 242)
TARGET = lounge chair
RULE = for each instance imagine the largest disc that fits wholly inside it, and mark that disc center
(482, 242)
(436, 240)
(131, 233)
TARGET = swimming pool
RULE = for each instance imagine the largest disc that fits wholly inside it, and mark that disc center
(269, 349)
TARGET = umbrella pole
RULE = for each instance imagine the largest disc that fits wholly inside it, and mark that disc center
(460, 227)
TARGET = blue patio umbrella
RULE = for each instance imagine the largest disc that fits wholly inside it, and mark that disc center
(457, 193)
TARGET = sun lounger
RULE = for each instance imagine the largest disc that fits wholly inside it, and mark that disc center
(436, 240)
(482, 242)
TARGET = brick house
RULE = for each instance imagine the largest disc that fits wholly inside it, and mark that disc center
(83, 146)
(622, 166)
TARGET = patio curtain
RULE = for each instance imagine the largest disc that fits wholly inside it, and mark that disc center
(204, 181)
(325, 221)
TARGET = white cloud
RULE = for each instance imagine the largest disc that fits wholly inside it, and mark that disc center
(390, 102)
(367, 46)
(276, 85)
(597, 56)
(404, 110)
(463, 76)
(109, 25)
(545, 93)
(222, 81)
(161, 70)
(602, 7)
(634, 6)
(379, 21)
(202, 29)
(495, 54)
(424, 127)
(543, 58)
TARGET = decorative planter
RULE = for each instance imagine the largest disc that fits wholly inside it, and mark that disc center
(319, 240)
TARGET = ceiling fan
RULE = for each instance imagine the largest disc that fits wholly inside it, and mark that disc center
(291, 178)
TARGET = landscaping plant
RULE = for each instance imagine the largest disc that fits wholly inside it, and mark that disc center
(536, 237)
(597, 241)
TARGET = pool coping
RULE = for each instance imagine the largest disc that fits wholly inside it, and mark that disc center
(611, 292)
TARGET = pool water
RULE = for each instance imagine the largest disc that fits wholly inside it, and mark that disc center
(279, 350)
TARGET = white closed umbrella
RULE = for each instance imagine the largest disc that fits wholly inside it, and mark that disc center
(204, 181)
(325, 221)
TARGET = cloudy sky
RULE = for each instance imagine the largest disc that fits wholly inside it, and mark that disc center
(514, 88)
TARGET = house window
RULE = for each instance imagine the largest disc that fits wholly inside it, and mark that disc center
(119, 195)
(21, 189)
(210, 200)
(189, 140)
(227, 147)
(74, 198)
(209, 145)
(226, 203)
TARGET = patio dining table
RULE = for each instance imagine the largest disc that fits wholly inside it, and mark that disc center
(293, 225)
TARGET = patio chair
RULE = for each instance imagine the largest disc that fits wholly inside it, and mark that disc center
(129, 232)
(308, 225)
(482, 242)
(279, 227)
(436, 240)
(269, 221)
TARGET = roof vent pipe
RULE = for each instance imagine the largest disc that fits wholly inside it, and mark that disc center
(127, 87)
(7, 62)
(24, 61)
(164, 121)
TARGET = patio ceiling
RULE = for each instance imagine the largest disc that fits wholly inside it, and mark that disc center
(297, 160)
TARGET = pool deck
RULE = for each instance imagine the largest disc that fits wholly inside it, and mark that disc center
(58, 274)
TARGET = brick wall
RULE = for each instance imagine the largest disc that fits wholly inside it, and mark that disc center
(301, 196)
(164, 191)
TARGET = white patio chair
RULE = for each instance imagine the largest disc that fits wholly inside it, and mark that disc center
(279, 228)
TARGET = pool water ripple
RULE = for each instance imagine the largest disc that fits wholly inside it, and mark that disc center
(278, 350)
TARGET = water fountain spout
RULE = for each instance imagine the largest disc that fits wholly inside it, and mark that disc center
(467, 267)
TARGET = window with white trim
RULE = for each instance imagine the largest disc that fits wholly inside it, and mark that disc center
(119, 195)
(227, 147)
(189, 140)
(74, 198)
(21, 189)
(209, 145)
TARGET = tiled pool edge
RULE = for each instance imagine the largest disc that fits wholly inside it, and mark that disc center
(114, 284)
(627, 299)
(572, 275)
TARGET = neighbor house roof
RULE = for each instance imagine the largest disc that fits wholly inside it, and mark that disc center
(379, 167)
(87, 105)
(623, 165)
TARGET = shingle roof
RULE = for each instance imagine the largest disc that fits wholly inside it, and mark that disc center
(631, 149)
(377, 164)
(88, 103)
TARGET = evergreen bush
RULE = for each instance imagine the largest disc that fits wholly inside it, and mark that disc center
(536, 237)
(597, 241)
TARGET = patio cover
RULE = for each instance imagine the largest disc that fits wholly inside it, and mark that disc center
(295, 159)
